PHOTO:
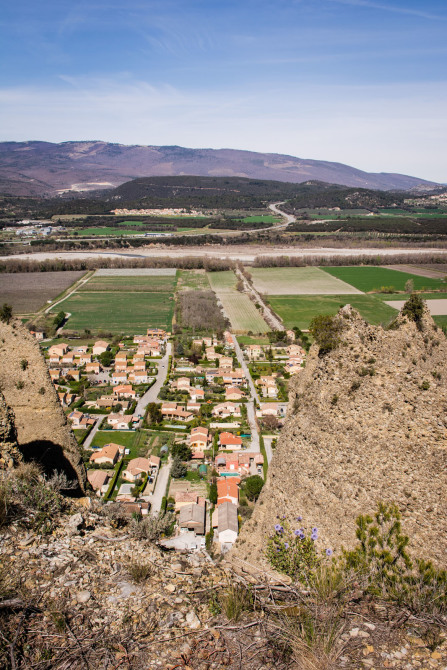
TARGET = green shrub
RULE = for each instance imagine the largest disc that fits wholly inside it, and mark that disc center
(293, 552)
(326, 331)
(414, 309)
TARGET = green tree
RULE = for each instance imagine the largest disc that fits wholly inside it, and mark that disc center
(414, 309)
(252, 487)
(6, 313)
(178, 469)
(59, 319)
(106, 359)
(181, 451)
(154, 414)
(326, 331)
(213, 493)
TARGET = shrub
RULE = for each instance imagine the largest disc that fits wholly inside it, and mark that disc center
(293, 552)
(326, 331)
(425, 385)
(414, 309)
(6, 313)
(213, 493)
(139, 572)
(252, 486)
(178, 469)
(150, 527)
(236, 599)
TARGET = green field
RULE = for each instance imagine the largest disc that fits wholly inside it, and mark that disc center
(130, 283)
(247, 339)
(119, 312)
(405, 296)
(136, 441)
(370, 279)
(298, 281)
(299, 310)
(441, 321)
(237, 306)
(192, 280)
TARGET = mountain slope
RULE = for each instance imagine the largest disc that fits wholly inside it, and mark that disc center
(44, 168)
(366, 422)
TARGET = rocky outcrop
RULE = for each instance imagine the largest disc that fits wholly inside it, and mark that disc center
(366, 422)
(42, 430)
(9, 451)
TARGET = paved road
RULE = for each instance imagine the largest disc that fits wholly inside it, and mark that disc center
(240, 358)
(94, 430)
(288, 217)
(251, 414)
(152, 394)
(160, 488)
(268, 448)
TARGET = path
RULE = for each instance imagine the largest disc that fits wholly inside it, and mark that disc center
(79, 283)
(152, 394)
(160, 488)
(268, 448)
(288, 217)
(269, 316)
(251, 413)
(89, 439)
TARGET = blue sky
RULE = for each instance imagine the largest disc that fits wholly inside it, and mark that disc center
(361, 82)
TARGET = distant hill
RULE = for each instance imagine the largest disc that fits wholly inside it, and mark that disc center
(45, 169)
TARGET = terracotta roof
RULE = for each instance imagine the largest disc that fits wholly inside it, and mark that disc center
(109, 451)
(229, 439)
(97, 478)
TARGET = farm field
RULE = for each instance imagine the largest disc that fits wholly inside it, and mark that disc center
(192, 280)
(419, 271)
(28, 291)
(154, 284)
(389, 297)
(119, 312)
(237, 306)
(437, 307)
(370, 279)
(248, 339)
(136, 272)
(110, 232)
(298, 281)
(299, 311)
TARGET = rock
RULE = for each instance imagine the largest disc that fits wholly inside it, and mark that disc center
(170, 588)
(75, 522)
(354, 632)
(192, 620)
(83, 596)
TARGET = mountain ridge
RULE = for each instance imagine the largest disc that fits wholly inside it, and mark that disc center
(44, 168)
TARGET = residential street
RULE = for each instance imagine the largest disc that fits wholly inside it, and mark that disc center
(251, 414)
(152, 394)
(240, 358)
(160, 488)
(268, 448)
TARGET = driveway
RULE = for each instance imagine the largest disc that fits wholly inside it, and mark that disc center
(268, 448)
(160, 488)
(89, 439)
(152, 394)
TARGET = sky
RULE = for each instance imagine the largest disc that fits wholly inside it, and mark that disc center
(361, 82)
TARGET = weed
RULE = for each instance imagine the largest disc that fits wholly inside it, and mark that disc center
(235, 600)
(140, 572)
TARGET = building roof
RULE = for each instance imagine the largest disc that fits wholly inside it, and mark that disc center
(229, 439)
(97, 478)
(227, 517)
(192, 516)
(227, 487)
(109, 451)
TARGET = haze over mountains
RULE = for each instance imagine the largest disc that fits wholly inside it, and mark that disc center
(44, 168)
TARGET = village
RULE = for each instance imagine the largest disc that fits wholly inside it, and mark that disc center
(175, 423)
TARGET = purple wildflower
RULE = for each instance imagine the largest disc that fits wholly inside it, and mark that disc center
(299, 518)
(297, 532)
(314, 537)
(329, 552)
(286, 545)
(314, 530)
(277, 527)
(283, 516)
(302, 536)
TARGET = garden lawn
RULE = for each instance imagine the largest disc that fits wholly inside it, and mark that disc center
(371, 279)
(300, 310)
(247, 339)
(126, 438)
(118, 312)
(298, 281)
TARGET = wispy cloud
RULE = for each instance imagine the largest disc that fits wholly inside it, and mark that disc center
(392, 8)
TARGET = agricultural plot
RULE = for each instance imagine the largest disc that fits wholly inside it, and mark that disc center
(237, 306)
(299, 281)
(109, 231)
(136, 272)
(192, 280)
(119, 312)
(28, 291)
(371, 279)
(153, 284)
(299, 311)
(436, 307)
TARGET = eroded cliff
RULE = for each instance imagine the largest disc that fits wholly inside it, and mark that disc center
(42, 430)
(366, 422)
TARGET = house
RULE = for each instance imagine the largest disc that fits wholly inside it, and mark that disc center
(296, 350)
(100, 347)
(75, 374)
(226, 409)
(230, 441)
(118, 377)
(54, 374)
(198, 439)
(228, 339)
(254, 352)
(193, 406)
(227, 524)
(192, 517)
(228, 490)
(84, 359)
(182, 383)
(210, 353)
(196, 394)
(120, 421)
(155, 462)
(108, 454)
(98, 480)
(157, 333)
(38, 334)
(139, 366)
(226, 363)
(121, 356)
(277, 409)
(58, 349)
(233, 378)
(81, 349)
(183, 498)
(75, 417)
(234, 393)
(138, 377)
(124, 391)
(136, 469)
(93, 368)
(68, 359)
(233, 463)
